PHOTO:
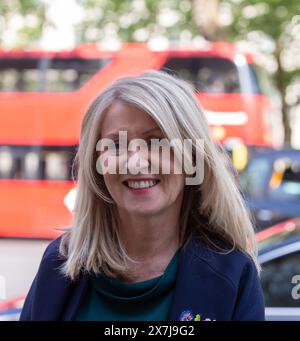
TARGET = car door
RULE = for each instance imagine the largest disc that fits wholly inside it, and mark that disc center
(280, 280)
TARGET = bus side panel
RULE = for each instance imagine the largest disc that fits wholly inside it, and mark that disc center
(240, 116)
(33, 209)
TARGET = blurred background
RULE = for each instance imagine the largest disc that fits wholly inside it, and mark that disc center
(241, 56)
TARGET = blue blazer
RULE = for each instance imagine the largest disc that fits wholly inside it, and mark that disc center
(215, 286)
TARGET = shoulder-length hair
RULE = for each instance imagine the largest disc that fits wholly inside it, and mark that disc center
(213, 210)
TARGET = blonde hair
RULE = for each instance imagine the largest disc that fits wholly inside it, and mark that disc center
(213, 210)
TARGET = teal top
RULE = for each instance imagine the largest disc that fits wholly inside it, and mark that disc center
(111, 299)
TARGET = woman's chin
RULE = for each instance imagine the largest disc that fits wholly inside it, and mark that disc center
(143, 210)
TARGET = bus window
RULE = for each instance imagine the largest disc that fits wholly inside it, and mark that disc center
(69, 74)
(19, 74)
(56, 165)
(6, 163)
(31, 166)
(37, 162)
(207, 74)
(47, 74)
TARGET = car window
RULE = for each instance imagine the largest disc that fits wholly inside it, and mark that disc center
(284, 183)
(252, 179)
(276, 279)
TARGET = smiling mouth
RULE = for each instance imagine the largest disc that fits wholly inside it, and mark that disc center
(141, 184)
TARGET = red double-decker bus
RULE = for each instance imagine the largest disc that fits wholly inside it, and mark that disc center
(43, 97)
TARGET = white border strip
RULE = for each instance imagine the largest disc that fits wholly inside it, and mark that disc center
(287, 249)
(223, 118)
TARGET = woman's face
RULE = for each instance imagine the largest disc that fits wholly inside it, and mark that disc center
(137, 192)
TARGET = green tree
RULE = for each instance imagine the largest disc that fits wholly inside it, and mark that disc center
(136, 20)
(278, 22)
(21, 22)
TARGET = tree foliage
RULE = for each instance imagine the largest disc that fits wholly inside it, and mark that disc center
(276, 22)
(136, 20)
(25, 18)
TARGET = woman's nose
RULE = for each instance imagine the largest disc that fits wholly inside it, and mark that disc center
(137, 162)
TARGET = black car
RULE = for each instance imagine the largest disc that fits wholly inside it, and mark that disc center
(279, 256)
(271, 186)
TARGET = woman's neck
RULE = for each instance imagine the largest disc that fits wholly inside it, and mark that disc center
(145, 236)
(150, 241)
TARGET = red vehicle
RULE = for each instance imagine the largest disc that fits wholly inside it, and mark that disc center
(43, 97)
(10, 310)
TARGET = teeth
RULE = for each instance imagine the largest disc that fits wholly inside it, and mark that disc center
(141, 184)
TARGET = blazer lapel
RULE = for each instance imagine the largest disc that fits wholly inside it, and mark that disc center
(77, 294)
(186, 298)
(194, 297)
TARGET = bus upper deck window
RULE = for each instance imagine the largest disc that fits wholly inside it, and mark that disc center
(28, 74)
(8, 79)
(19, 74)
(207, 74)
(61, 80)
(72, 73)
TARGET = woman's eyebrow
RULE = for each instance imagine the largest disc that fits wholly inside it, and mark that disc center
(112, 136)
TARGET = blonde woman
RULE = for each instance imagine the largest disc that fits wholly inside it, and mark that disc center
(158, 234)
